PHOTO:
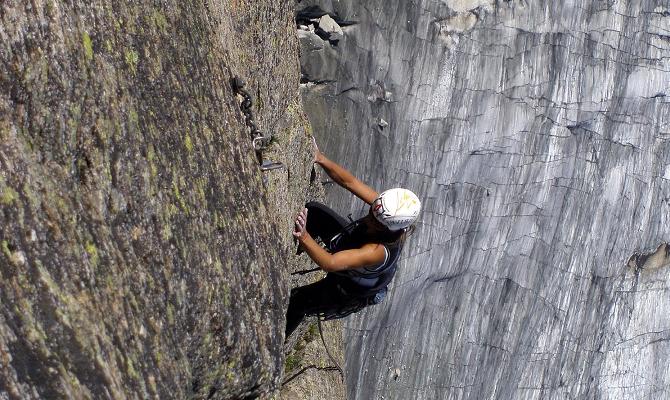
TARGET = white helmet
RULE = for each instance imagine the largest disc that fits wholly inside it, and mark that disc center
(396, 208)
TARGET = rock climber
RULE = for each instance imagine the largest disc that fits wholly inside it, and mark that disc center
(360, 257)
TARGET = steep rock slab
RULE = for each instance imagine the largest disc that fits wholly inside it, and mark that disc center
(538, 135)
(139, 255)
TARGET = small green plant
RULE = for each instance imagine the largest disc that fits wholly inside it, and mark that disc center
(5, 249)
(188, 143)
(292, 362)
(92, 253)
(88, 46)
(311, 334)
(132, 58)
(8, 196)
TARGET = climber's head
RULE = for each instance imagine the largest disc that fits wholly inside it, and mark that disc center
(396, 209)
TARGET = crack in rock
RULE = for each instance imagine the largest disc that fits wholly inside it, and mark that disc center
(651, 261)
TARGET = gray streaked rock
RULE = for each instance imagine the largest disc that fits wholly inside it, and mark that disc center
(310, 41)
(328, 24)
(316, 58)
(538, 136)
(381, 123)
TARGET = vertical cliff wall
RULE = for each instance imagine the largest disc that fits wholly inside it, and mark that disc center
(538, 135)
(142, 252)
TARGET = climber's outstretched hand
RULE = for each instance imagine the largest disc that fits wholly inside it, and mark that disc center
(299, 230)
(317, 153)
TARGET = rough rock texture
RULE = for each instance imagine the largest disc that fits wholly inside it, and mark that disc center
(310, 374)
(143, 254)
(538, 135)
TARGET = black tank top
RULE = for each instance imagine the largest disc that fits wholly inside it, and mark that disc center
(355, 236)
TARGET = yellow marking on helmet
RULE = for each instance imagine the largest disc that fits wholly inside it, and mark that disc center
(406, 201)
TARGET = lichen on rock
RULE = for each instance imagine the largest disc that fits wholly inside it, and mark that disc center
(144, 255)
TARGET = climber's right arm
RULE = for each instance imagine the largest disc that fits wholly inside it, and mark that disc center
(344, 178)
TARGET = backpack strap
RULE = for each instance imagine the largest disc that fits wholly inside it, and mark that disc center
(349, 288)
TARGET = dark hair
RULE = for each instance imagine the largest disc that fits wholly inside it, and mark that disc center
(394, 238)
(358, 229)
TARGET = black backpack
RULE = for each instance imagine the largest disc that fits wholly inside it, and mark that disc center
(360, 298)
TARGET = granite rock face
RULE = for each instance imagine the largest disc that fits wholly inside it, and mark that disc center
(538, 136)
(142, 252)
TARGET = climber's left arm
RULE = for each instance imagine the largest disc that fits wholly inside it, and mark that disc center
(370, 254)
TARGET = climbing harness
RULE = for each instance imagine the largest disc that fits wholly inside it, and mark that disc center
(259, 140)
(355, 304)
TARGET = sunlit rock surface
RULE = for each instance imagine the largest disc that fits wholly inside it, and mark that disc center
(142, 253)
(538, 135)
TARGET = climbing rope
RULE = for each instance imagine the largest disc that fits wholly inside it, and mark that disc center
(319, 318)
(336, 367)
(305, 369)
(305, 271)
(328, 351)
